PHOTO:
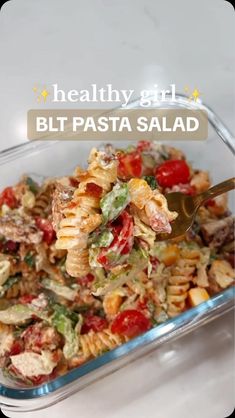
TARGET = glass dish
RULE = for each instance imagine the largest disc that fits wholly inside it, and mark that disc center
(43, 159)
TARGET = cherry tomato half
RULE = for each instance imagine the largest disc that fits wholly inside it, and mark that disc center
(94, 323)
(122, 230)
(172, 172)
(130, 323)
(8, 198)
(130, 165)
(46, 227)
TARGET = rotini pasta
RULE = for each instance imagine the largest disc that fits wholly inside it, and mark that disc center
(82, 213)
(95, 343)
(179, 281)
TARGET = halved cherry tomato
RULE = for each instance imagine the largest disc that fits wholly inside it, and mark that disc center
(172, 172)
(94, 189)
(143, 146)
(130, 165)
(130, 323)
(85, 280)
(8, 198)
(94, 323)
(46, 227)
(122, 230)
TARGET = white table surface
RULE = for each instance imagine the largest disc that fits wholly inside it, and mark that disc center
(131, 44)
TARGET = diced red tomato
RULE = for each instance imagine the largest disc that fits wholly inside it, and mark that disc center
(16, 348)
(172, 172)
(94, 190)
(130, 323)
(85, 280)
(8, 198)
(46, 227)
(27, 299)
(11, 246)
(130, 165)
(143, 146)
(94, 323)
(122, 230)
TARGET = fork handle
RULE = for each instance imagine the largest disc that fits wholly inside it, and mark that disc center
(214, 191)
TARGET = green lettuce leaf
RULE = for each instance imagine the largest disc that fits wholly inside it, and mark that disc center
(8, 284)
(59, 289)
(17, 314)
(114, 202)
(104, 239)
(64, 326)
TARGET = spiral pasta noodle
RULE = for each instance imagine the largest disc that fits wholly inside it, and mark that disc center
(43, 201)
(95, 343)
(82, 214)
(179, 281)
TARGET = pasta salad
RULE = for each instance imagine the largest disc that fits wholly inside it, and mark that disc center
(81, 270)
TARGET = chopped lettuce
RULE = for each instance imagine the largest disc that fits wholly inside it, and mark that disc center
(65, 326)
(151, 180)
(8, 284)
(104, 239)
(30, 259)
(63, 310)
(59, 289)
(93, 254)
(114, 202)
(33, 186)
(17, 314)
(137, 261)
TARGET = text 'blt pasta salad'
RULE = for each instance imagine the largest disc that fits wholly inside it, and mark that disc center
(81, 270)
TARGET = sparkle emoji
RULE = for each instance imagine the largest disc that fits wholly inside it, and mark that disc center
(194, 95)
(41, 94)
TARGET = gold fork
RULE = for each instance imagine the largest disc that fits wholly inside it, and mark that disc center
(187, 207)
